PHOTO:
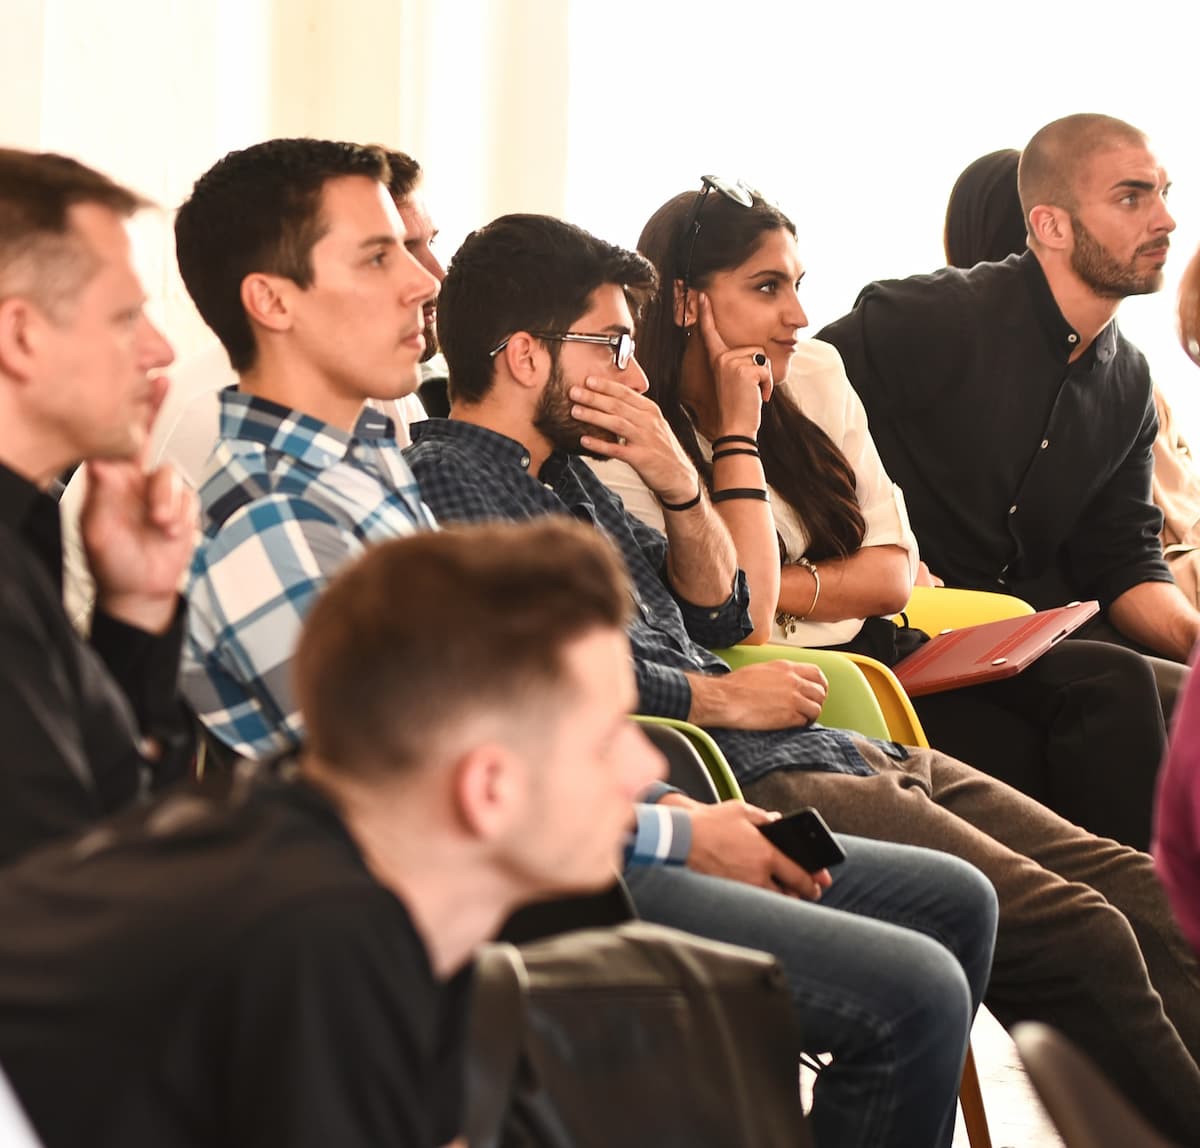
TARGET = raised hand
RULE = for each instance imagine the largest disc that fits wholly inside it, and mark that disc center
(642, 437)
(138, 532)
(741, 378)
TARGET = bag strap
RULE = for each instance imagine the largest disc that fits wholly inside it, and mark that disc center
(494, 1049)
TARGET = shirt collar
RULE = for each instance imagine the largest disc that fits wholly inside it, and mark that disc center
(33, 515)
(1061, 335)
(251, 418)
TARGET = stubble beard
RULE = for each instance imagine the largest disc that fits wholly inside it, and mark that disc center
(1106, 276)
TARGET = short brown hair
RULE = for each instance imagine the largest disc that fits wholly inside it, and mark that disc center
(40, 257)
(405, 174)
(1189, 309)
(424, 633)
(1049, 169)
(524, 273)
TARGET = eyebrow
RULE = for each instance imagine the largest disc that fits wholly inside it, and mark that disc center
(774, 273)
(1138, 184)
(379, 241)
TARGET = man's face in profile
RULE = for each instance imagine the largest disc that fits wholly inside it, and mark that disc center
(419, 236)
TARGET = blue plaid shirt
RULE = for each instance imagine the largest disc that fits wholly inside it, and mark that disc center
(286, 501)
(469, 474)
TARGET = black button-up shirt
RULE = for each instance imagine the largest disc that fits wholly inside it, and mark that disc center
(71, 713)
(470, 474)
(1023, 472)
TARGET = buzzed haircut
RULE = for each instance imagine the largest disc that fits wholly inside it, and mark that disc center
(525, 273)
(259, 210)
(41, 257)
(425, 633)
(1052, 161)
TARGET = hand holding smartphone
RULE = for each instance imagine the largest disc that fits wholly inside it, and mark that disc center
(806, 839)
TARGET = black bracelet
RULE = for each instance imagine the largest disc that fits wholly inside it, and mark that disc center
(683, 505)
(731, 451)
(739, 492)
(735, 438)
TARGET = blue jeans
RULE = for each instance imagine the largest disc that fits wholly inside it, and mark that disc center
(887, 971)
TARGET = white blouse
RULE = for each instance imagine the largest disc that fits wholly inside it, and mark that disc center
(817, 382)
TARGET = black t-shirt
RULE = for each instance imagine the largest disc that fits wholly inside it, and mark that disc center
(223, 972)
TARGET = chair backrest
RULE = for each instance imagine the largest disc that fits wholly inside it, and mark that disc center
(1086, 1109)
(851, 702)
(710, 753)
(937, 608)
(685, 767)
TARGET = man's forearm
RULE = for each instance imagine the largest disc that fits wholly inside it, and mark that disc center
(1158, 616)
(701, 562)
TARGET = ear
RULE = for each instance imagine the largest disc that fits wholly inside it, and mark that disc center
(265, 298)
(526, 360)
(1051, 227)
(21, 329)
(686, 310)
(490, 784)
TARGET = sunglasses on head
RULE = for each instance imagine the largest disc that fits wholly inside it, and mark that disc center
(734, 190)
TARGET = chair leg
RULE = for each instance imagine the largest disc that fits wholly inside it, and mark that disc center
(971, 1099)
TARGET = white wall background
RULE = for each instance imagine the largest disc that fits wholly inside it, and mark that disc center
(855, 117)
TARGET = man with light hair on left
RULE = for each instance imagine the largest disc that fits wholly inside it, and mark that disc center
(87, 726)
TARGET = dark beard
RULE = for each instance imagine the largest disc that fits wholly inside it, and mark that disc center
(431, 342)
(554, 421)
(1093, 263)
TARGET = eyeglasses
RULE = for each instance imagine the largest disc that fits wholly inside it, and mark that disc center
(736, 191)
(621, 345)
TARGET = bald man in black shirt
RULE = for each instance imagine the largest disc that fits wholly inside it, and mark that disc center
(1010, 409)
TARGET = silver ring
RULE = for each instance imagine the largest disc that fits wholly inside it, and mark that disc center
(620, 440)
(760, 360)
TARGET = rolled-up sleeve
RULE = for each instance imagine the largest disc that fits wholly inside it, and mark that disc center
(1116, 543)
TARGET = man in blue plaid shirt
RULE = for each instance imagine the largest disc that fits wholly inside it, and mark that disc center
(536, 320)
(293, 252)
(301, 481)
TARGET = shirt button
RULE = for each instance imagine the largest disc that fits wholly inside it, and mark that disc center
(714, 614)
(1045, 443)
(1012, 510)
(525, 460)
(1072, 338)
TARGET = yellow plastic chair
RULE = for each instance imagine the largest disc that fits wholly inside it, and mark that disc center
(937, 608)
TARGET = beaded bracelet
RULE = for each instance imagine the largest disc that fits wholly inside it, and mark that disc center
(683, 505)
(788, 622)
(735, 492)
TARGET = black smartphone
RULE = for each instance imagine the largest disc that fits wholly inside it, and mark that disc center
(806, 839)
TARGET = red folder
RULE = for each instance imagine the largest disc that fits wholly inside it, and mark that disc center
(989, 651)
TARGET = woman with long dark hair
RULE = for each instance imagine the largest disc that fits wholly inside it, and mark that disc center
(1081, 730)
